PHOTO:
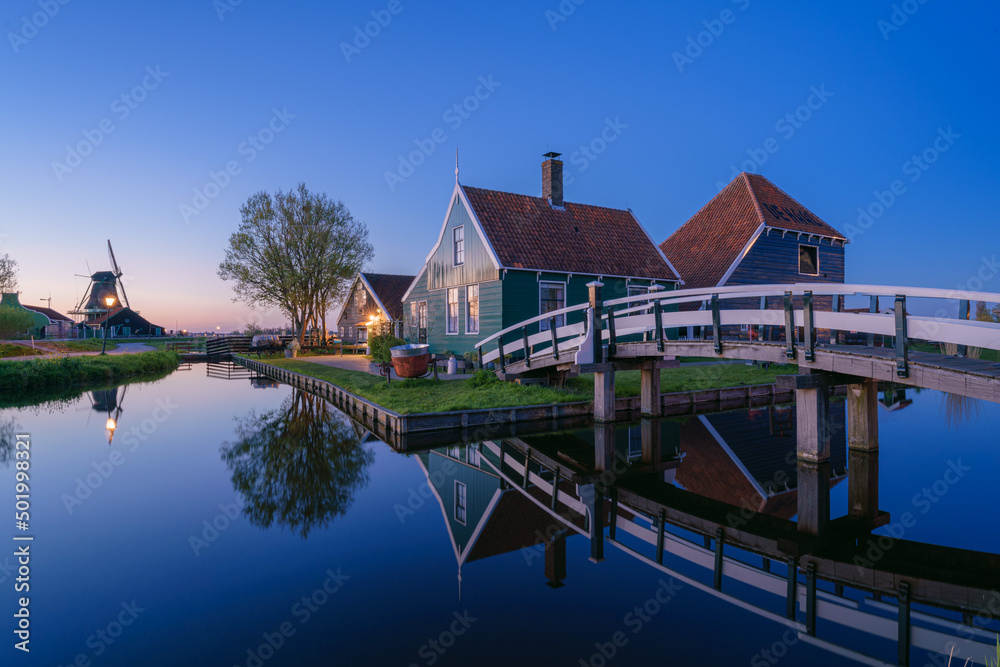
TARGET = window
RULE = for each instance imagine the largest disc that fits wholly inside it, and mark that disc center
(636, 290)
(422, 314)
(460, 502)
(452, 311)
(809, 260)
(475, 457)
(360, 299)
(458, 236)
(551, 296)
(472, 309)
(413, 314)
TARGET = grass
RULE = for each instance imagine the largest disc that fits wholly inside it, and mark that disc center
(32, 374)
(425, 395)
(87, 345)
(198, 344)
(15, 350)
(983, 353)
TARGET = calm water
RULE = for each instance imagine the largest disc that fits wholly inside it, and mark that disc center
(226, 519)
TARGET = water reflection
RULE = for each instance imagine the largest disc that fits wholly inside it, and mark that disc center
(297, 466)
(9, 429)
(960, 410)
(108, 401)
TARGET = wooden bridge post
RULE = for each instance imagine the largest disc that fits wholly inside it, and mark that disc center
(963, 314)
(650, 432)
(813, 496)
(862, 483)
(597, 303)
(902, 355)
(604, 379)
(862, 415)
(651, 395)
(604, 447)
(812, 429)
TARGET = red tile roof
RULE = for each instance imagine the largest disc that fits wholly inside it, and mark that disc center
(49, 313)
(528, 233)
(389, 289)
(706, 246)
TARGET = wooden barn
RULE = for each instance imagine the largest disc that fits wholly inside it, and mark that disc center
(59, 325)
(122, 322)
(501, 258)
(753, 233)
(373, 297)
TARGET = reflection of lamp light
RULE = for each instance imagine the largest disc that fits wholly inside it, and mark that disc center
(111, 428)
(110, 300)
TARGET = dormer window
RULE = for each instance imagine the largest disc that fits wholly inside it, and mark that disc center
(458, 239)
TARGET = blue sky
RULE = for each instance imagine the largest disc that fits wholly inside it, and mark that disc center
(687, 90)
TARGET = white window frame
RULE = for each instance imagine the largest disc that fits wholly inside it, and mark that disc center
(471, 327)
(455, 250)
(465, 504)
(816, 249)
(543, 325)
(422, 322)
(447, 312)
(638, 289)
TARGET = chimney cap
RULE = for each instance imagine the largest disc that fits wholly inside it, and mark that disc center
(551, 155)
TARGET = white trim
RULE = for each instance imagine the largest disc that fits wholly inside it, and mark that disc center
(478, 310)
(565, 287)
(457, 192)
(378, 301)
(816, 248)
(453, 249)
(739, 258)
(722, 443)
(465, 509)
(447, 314)
(347, 300)
(680, 278)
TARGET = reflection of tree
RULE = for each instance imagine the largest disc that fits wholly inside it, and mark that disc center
(299, 465)
(8, 437)
(960, 410)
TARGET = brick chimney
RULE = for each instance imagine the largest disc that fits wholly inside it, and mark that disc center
(552, 179)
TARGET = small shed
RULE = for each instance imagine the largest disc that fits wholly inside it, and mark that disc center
(373, 297)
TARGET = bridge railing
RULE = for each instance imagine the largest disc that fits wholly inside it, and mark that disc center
(656, 313)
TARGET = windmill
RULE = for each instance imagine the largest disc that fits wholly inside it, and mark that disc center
(103, 284)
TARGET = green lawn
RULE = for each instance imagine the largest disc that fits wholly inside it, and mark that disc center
(425, 395)
(198, 344)
(31, 374)
(15, 350)
(86, 345)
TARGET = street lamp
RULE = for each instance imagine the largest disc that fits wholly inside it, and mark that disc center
(110, 301)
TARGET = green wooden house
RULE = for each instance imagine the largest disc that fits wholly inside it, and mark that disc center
(39, 320)
(501, 258)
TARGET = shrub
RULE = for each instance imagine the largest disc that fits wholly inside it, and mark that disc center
(380, 344)
(14, 323)
(483, 378)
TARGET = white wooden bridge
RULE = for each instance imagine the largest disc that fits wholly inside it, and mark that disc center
(639, 332)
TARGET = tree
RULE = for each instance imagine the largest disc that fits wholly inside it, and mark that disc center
(8, 274)
(297, 251)
(15, 322)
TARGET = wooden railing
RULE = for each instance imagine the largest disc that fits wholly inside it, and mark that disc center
(658, 313)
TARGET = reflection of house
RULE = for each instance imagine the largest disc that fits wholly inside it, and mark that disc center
(501, 258)
(747, 458)
(485, 517)
(373, 296)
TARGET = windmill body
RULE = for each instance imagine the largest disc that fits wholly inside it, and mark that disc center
(94, 310)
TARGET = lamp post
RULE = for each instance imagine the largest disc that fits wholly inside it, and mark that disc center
(110, 301)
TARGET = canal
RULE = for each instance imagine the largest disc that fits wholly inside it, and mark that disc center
(228, 520)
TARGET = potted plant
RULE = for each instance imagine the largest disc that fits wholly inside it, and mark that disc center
(292, 349)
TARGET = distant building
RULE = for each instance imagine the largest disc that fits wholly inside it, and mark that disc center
(502, 258)
(752, 233)
(122, 322)
(373, 296)
(59, 325)
(39, 320)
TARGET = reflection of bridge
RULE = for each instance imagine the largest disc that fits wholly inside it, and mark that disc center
(636, 332)
(613, 487)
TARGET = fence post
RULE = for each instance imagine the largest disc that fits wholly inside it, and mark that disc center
(555, 338)
(612, 336)
(789, 327)
(809, 332)
(527, 350)
(479, 351)
(597, 303)
(658, 320)
(873, 308)
(503, 363)
(963, 314)
(716, 324)
(902, 357)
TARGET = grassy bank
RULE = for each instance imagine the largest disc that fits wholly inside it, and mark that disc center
(27, 375)
(479, 392)
(15, 350)
(86, 345)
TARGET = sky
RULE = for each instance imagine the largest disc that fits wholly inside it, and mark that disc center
(149, 124)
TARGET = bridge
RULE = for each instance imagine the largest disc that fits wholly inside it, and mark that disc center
(643, 332)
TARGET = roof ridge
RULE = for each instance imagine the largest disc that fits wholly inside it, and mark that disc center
(565, 203)
(753, 195)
